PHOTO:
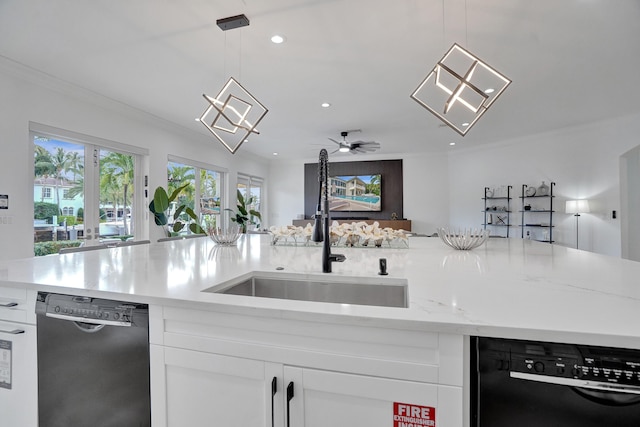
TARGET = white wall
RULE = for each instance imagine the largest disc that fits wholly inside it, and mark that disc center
(426, 192)
(286, 191)
(584, 163)
(31, 96)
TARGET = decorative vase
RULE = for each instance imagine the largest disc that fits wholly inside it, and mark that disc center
(543, 190)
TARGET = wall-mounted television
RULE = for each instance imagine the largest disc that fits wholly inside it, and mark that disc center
(355, 193)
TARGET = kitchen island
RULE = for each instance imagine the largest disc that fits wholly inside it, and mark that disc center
(506, 288)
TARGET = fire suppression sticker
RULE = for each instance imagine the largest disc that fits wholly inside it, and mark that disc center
(408, 415)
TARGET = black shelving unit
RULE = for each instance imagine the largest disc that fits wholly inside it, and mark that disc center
(530, 216)
(497, 217)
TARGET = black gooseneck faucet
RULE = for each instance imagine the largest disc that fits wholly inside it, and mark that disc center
(321, 231)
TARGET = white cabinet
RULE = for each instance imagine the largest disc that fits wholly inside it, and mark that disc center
(192, 388)
(234, 370)
(18, 360)
(323, 398)
(195, 388)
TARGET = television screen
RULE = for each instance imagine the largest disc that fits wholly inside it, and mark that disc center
(348, 193)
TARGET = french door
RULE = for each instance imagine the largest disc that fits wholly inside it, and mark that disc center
(251, 189)
(86, 190)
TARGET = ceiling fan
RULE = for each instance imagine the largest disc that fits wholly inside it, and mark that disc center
(354, 147)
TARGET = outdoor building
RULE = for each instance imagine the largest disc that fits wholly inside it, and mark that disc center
(355, 187)
(48, 189)
(338, 186)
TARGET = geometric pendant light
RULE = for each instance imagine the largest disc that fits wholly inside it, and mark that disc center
(237, 111)
(460, 89)
(237, 115)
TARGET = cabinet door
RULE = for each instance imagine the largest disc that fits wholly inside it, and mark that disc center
(18, 375)
(322, 398)
(191, 388)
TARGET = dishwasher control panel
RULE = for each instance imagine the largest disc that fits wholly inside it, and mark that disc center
(589, 363)
(85, 309)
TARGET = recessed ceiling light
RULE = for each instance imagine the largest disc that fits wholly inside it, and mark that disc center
(275, 154)
(465, 124)
(325, 105)
(452, 143)
(277, 39)
(489, 90)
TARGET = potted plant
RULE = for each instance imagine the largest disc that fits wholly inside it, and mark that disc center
(244, 214)
(160, 205)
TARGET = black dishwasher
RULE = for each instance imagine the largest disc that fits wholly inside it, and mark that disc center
(533, 384)
(93, 362)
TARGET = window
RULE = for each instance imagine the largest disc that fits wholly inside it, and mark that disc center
(89, 181)
(251, 189)
(204, 191)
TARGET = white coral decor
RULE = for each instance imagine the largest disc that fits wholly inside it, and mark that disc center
(359, 234)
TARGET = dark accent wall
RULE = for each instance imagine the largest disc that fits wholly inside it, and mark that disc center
(391, 171)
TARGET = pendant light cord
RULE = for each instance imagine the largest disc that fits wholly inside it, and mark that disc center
(224, 60)
(444, 39)
(466, 26)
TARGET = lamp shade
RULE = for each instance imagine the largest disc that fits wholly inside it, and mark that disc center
(577, 206)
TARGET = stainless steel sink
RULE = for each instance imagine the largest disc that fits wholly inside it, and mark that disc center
(386, 293)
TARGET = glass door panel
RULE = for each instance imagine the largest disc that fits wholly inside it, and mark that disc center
(210, 185)
(116, 196)
(58, 194)
(251, 190)
(179, 175)
(256, 195)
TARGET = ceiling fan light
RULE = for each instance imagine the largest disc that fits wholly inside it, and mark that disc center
(344, 149)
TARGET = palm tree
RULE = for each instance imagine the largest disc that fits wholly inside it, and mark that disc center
(78, 185)
(60, 161)
(109, 191)
(180, 175)
(43, 162)
(76, 164)
(207, 183)
(374, 185)
(120, 169)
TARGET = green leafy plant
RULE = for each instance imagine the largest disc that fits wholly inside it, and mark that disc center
(160, 205)
(44, 210)
(244, 215)
(71, 220)
(53, 247)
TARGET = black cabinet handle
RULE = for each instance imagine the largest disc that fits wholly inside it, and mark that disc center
(289, 397)
(9, 304)
(274, 390)
(12, 332)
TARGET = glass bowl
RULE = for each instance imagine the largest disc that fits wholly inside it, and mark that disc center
(463, 239)
(226, 235)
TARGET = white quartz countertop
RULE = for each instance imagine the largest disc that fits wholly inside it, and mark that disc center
(508, 287)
